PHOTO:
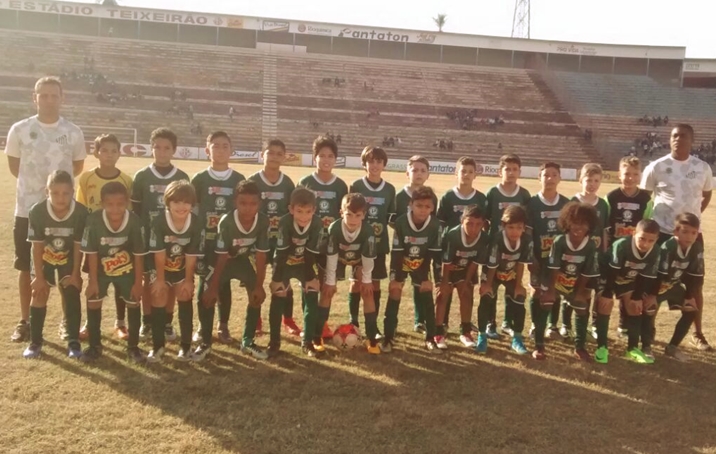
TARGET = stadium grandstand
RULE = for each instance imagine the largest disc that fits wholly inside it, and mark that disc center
(443, 95)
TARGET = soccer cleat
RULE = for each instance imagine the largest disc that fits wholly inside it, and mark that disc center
(74, 350)
(467, 340)
(582, 355)
(135, 355)
(565, 332)
(432, 347)
(552, 332)
(223, 334)
(441, 342)
(32, 351)
(481, 346)
(155, 356)
(196, 338)
(169, 334)
(373, 349)
(379, 336)
(309, 351)
(622, 333)
(184, 355)
(506, 329)
(602, 355)
(699, 341)
(648, 352)
(518, 346)
(638, 356)
(121, 332)
(318, 345)
(255, 351)
(84, 333)
(539, 354)
(676, 353)
(532, 331)
(593, 332)
(291, 327)
(419, 328)
(492, 332)
(145, 332)
(62, 331)
(259, 328)
(273, 350)
(91, 354)
(21, 333)
(386, 346)
(327, 332)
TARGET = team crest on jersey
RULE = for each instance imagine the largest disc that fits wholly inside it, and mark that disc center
(510, 265)
(300, 250)
(63, 140)
(323, 205)
(677, 274)
(220, 202)
(632, 274)
(58, 244)
(175, 249)
(571, 268)
(160, 200)
(272, 206)
(373, 212)
(552, 224)
(112, 250)
(350, 255)
(414, 250)
(628, 215)
(377, 230)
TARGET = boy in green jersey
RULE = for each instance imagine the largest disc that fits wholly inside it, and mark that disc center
(148, 203)
(276, 188)
(115, 247)
(351, 243)
(55, 230)
(418, 172)
(507, 192)
(632, 271)
(416, 245)
(241, 246)
(176, 240)
(465, 248)
(214, 188)
(329, 190)
(681, 273)
(510, 250)
(380, 196)
(573, 261)
(590, 177)
(297, 246)
(542, 215)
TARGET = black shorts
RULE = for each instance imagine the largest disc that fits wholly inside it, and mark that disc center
(23, 248)
(380, 269)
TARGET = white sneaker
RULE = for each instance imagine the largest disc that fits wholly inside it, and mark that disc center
(196, 338)
(622, 333)
(145, 332)
(169, 334)
(552, 333)
(184, 355)
(155, 356)
(467, 340)
(441, 342)
(532, 331)
(505, 328)
(201, 352)
(565, 332)
(255, 351)
(593, 332)
(676, 353)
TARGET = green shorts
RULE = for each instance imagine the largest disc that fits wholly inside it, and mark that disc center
(55, 274)
(297, 272)
(675, 297)
(457, 276)
(206, 263)
(239, 268)
(122, 287)
(170, 277)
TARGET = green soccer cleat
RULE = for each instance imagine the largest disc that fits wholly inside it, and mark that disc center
(481, 346)
(602, 355)
(638, 356)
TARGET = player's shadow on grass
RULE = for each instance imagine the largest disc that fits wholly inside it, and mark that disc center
(412, 401)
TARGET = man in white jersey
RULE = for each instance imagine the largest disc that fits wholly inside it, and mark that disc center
(36, 147)
(681, 183)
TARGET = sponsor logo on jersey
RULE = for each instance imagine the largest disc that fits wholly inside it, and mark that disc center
(218, 190)
(571, 268)
(628, 206)
(505, 276)
(635, 265)
(174, 264)
(573, 258)
(272, 207)
(324, 205)
(212, 220)
(55, 258)
(160, 188)
(377, 231)
(175, 239)
(220, 202)
(412, 265)
(58, 244)
(243, 241)
(546, 242)
(505, 257)
(59, 231)
(326, 221)
(374, 201)
(117, 264)
(373, 212)
(503, 205)
(349, 247)
(268, 195)
(299, 241)
(623, 230)
(676, 264)
(549, 214)
(294, 260)
(415, 240)
(565, 283)
(326, 195)
(176, 249)
(414, 250)
(466, 254)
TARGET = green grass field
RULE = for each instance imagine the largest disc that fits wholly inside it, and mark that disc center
(408, 401)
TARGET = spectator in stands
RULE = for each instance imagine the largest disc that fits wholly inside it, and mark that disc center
(499, 145)
(450, 144)
(231, 113)
(666, 120)
(339, 139)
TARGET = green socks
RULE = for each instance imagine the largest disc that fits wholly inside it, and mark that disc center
(371, 326)
(310, 315)
(390, 322)
(134, 316)
(252, 319)
(186, 319)
(73, 311)
(580, 335)
(323, 314)
(276, 311)
(37, 323)
(354, 307)
(428, 307)
(602, 323)
(94, 321)
(159, 318)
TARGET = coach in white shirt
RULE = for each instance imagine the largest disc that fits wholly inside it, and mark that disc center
(681, 183)
(36, 147)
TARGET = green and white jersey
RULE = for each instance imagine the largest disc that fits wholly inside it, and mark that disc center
(58, 235)
(328, 199)
(177, 243)
(415, 243)
(630, 263)
(675, 262)
(215, 196)
(350, 247)
(239, 243)
(602, 208)
(381, 205)
(275, 198)
(460, 253)
(505, 258)
(453, 205)
(115, 249)
(298, 240)
(542, 216)
(403, 199)
(573, 261)
(497, 200)
(148, 190)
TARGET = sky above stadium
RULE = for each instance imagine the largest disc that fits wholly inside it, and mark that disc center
(656, 22)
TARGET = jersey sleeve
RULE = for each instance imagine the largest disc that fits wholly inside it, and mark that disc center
(391, 203)
(12, 143)
(493, 252)
(708, 178)
(315, 235)
(196, 243)
(197, 182)
(156, 235)
(398, 244)
(283, 234)
(79, 152)
(136, 236)
(90, 239)
(80, 223)
(617, 254)
(443, 213)
(449, 251)
(222, 237)
(483, 249)
(591, 263)
(82, 188)
(696, 265)
(528, 250)
(262, 236)
(555, 254)
(136, 194)
(648, 179)
(35, 230)
(664, 258)
(368, 248)
(434, 243)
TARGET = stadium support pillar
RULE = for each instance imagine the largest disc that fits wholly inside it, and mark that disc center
(681, 74)
(294, 42)
(512, 60)
(441, 54)
(647, 66)
(579, 66)
(99, 27)
(614, 64)
(369, 48)
(216, 43)
(546, 61)
(405, 51)
(331, 44)
(477, 55)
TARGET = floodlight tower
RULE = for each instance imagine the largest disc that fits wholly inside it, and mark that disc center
(521, 19)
